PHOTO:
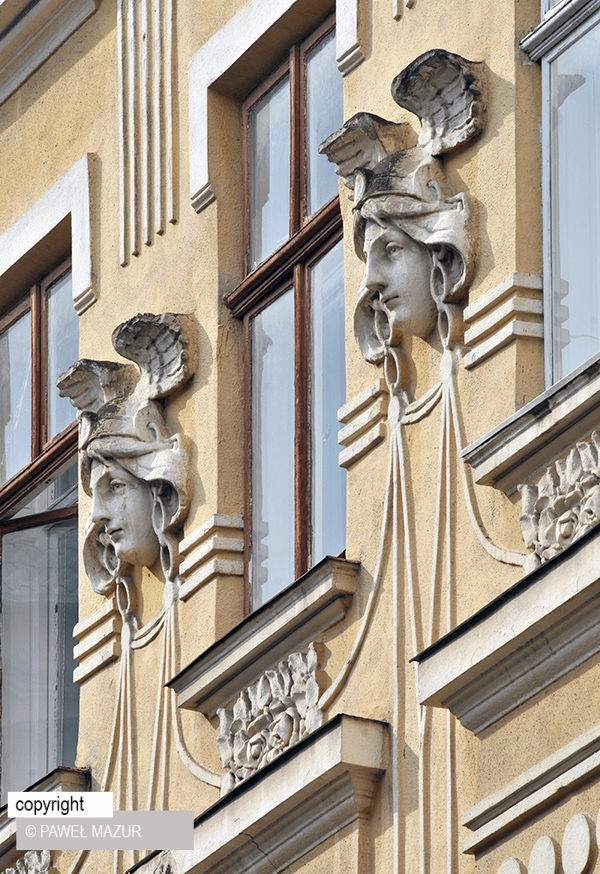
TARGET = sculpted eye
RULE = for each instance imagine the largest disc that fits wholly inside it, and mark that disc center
(117, 487)
(393, 249)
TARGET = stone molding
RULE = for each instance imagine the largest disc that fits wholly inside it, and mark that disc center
(70, 197)
(364, 419)
(322, 785)
(557, 24)
(286, 623)
(564, 505)
(534, 633)
(539, 786)
(539, 433)
(575, 854)
(99, 636)
(59, 780)
(512, 309)
(226, 48)
(214, 550)
(270, 716)
(31, 32)
(149, 163)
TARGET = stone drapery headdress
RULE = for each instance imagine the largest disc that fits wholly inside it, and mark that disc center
(395, 179)
(122, 422)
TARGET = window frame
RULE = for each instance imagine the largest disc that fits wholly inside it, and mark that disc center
(288, 266)
(294, 66)
(47, 456)
(560, 27)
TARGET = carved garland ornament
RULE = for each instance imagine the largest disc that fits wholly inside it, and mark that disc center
(270, 716)
(34, 862)
(564, 505)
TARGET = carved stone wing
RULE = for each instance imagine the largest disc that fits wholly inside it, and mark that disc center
(363, 142)
(447, 93)
(162, 346)
(91, 384)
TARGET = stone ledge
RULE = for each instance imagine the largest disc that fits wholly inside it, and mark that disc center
(534, 633)
(59, 780)
(537, 434)
(33, 33)
(285, 624)
(322, 785)
(533, 790)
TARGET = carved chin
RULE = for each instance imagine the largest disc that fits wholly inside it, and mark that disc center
(138, 555)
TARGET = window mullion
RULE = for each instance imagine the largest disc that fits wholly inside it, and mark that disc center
(302, 477)
(296, 141)
(37, 343)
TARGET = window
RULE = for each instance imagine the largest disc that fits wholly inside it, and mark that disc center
(568, 45)
(292, 304)
(38, 534)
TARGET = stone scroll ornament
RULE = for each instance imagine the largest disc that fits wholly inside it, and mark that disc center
(137, 474)
(418, 240)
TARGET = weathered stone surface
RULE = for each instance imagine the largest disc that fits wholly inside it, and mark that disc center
(270, 716)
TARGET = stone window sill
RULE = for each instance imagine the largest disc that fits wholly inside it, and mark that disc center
(322, 785)
(59, 780)
(529, 440)
(520, 643)
(286, 623)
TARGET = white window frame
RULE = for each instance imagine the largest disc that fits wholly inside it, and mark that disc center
(561, 26)
(227, 47)
(69, 196)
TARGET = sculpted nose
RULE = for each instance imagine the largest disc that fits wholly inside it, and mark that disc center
(98, 512)
(373, 277)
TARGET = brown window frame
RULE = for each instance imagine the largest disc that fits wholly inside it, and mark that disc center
(310, 237)
(47, 456)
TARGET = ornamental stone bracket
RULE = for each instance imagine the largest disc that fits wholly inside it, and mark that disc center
(270, 716)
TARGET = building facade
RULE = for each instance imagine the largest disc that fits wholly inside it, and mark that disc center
(298, 305)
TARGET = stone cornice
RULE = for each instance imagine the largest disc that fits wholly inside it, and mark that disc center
(284, 624)
(519, 644)
(538, 433)
(308, 795)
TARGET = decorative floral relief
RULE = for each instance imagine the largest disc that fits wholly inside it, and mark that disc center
(564, 505)
(34, 862)
(270, 716)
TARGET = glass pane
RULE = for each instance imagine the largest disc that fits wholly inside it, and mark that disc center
(15, 397)
(39, 610)
(63, 348)
(324, 114)
(269, 123)
(59, 490)
(575, 203)
(272, 564)
(328, 393)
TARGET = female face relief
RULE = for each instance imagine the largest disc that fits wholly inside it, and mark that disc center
(122, 504)
(397, 273)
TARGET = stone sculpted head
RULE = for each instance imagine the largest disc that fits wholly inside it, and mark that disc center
(416, 237)
(135, 471)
